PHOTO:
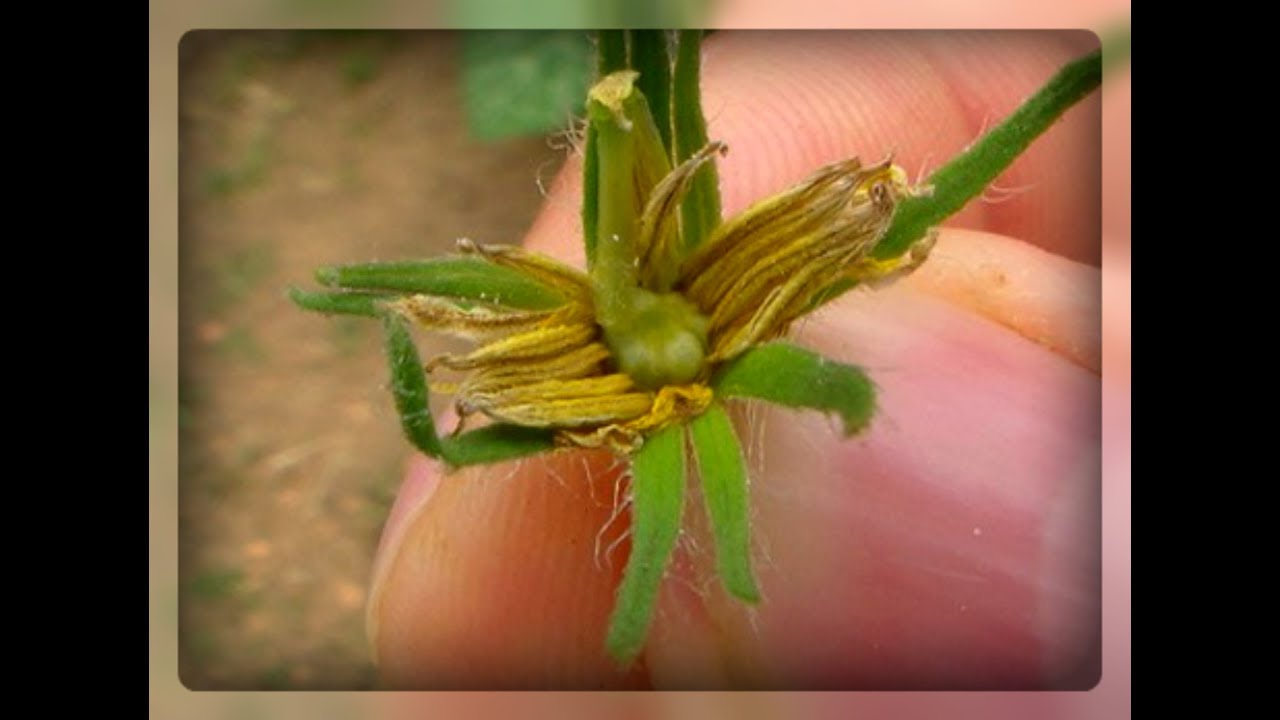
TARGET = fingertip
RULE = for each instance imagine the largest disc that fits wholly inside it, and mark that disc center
(786, 103)
(789, 102)
(1046, 298)
(422, 477)
(493, 582)
(956, 527)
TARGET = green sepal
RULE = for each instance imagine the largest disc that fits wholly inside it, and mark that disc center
(700, 210)
(657, 502)
(465, 278)
(650, 58)
(340, 303)
(409, 387)
(794, 377)
(611, 51)
(590, 194)
(611, 56)
(496, 443)
(723, 474)
(629, 161)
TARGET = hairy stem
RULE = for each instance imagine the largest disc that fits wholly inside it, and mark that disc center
(969, 173)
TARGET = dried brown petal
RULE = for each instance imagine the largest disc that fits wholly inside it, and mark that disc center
(477, 323)
(543, 342)
(658, 246)
(758, 271)
(573, 284)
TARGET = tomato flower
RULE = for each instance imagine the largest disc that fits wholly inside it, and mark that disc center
(678, 311)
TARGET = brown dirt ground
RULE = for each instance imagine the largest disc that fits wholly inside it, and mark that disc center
(299, 150)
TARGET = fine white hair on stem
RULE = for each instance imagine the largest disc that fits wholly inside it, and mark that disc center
(572, 140)
(539, 176)
(553, 472)
(689, 541)
(608, 552)
(995, 194)
(699, 586)
(982, 129)
(621, 502)
(705, 584)
(591, 484)
(753, 617)
(619, 499)
(761, 548)
(923, 172)
(617, 464)
(756, 416)
(601, 560)
(516, 467)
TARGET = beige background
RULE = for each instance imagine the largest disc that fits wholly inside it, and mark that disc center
(168, 698)
(299, 149)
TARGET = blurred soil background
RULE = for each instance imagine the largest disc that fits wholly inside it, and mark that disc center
(302, 149)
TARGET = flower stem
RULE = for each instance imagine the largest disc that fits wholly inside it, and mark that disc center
(970, 172)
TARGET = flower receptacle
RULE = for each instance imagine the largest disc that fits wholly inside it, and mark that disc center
(658, 339)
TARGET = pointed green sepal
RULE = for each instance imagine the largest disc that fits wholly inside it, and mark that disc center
(409, 387)
(465, 278)
(650, 58)
(723, 474)
(794, 377)
(611, 51)
(496, 443)
(657, 501)
(700, 210)
(339, 303)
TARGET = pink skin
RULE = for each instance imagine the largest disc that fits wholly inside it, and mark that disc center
(953, 545)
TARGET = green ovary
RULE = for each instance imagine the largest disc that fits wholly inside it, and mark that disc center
(661, 339)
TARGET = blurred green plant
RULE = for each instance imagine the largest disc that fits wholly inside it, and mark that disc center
(216, 584)
(241, 344)
(360, 67)
(577, 13)
(523, 82)
(239, 273)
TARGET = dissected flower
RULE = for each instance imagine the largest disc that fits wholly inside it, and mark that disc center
(755, 275)
(677, 312)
